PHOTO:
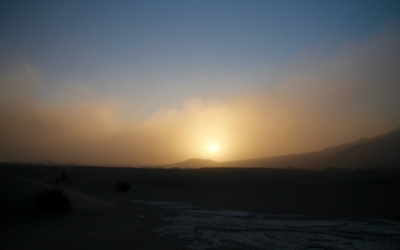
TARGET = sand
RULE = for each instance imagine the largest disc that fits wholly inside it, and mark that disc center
(94, 223)
(201, 209)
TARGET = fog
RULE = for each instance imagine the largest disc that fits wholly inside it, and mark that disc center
(316, 100)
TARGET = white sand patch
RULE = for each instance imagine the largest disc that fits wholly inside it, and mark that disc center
(205, 229)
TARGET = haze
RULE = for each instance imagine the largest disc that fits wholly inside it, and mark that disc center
(156, 82)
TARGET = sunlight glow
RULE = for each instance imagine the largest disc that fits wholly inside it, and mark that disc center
(212, 148)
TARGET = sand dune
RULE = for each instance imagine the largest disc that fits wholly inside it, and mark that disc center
(17, 194)
(98, 220)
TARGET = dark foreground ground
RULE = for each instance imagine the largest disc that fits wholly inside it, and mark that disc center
(204, 209)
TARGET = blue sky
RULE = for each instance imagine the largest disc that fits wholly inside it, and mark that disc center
(130, 47)
(158, 55)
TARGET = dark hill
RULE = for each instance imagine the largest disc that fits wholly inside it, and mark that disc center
(194, 163)
(380, 151)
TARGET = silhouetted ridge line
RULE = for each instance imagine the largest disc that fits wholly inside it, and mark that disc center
(377, 152)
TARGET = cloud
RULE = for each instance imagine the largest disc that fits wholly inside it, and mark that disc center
(317, 101)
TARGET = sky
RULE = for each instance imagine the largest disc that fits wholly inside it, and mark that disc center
(156, 82)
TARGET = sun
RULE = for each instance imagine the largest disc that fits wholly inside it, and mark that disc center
(212, 148)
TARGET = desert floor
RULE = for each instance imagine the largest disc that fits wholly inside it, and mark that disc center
(202, 209)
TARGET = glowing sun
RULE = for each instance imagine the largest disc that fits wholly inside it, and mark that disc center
(212, 148)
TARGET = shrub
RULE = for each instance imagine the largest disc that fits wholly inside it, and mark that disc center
(123, 186)
(52, 199)
(63, 176)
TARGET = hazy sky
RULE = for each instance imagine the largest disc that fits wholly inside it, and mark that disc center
(152, 82)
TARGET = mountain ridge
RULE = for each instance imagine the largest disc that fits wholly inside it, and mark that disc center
(378, 151)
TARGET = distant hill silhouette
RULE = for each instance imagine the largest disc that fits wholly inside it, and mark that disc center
(194, 163)
(380, 151)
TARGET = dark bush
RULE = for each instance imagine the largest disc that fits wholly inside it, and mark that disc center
(123, 186)
(52, 199)
(63, 176)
